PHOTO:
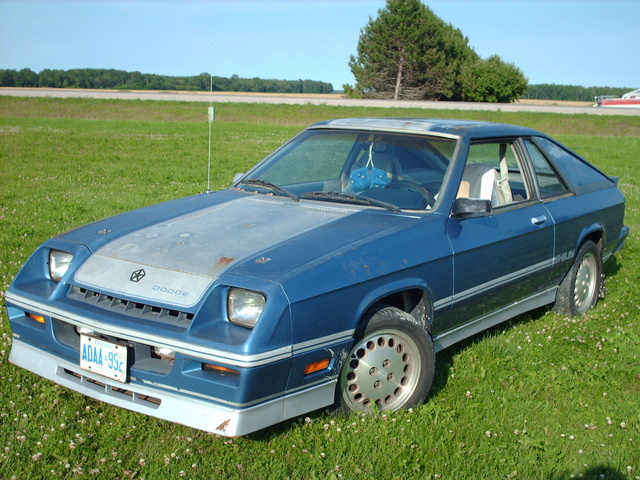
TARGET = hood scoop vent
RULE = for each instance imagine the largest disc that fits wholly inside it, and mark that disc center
(129, 308)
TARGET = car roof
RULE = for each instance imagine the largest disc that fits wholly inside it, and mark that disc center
(439, 126)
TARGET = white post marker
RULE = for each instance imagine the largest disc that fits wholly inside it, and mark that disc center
(212, 115)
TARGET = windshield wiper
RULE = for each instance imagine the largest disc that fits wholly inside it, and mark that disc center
(345, 197)
(271, 186)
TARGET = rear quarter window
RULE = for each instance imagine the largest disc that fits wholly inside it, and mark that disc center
(580, 174)
(549, 183)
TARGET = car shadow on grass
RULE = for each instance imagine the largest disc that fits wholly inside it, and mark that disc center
(612, 267)
(445, 359)
(598, 472)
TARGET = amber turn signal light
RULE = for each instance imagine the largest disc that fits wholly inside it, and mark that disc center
(208, 367)
(316, 366)
(35, 317)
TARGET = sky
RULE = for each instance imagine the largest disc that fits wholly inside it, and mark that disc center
(566, 42)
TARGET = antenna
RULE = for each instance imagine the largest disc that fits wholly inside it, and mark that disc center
(211, 115)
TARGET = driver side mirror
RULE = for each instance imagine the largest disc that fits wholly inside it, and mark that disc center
(471, 208)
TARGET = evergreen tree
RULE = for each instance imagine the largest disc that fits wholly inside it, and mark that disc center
(408, 52)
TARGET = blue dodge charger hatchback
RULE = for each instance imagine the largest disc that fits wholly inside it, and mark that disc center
(331, 273)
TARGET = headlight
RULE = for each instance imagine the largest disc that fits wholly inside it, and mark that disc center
(58, 264)
(244, 307)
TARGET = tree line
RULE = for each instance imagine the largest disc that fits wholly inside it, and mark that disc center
(118, 79)
(546, 91)
(95, 78)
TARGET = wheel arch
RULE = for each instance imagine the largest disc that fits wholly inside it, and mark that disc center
(413, 298)
(595, 233)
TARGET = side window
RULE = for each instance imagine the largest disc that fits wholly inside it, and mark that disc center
(577, 171)
(548, 181)
(493, 173)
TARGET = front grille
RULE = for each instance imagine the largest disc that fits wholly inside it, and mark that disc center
(127, 307)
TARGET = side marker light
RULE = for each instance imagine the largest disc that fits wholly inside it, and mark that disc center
(316, 366)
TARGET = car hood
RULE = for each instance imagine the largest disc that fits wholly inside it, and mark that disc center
(176, 261)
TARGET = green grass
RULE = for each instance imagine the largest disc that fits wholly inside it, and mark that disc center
(542, 397)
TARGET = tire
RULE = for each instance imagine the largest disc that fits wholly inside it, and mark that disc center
(580, 289)
(391, 364)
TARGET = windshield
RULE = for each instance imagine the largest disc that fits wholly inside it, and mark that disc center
(388, 170)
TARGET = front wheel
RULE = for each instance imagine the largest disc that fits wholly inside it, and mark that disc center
(581, 287)
(391, 364)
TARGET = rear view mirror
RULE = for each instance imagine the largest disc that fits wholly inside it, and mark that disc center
(471, 207)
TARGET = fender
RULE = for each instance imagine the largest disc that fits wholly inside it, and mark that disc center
(594, 228)
(388, 289)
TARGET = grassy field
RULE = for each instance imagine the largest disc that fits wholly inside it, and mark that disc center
(542, 397)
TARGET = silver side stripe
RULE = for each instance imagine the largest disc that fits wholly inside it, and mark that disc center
(479, 289)
(323, 342)
(525, 272)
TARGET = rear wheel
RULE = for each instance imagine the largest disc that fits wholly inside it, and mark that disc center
(582, 286)
(391, 364)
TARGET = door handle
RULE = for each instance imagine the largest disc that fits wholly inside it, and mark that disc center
(539, 220)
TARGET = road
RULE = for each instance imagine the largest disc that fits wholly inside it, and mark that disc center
(334, 100)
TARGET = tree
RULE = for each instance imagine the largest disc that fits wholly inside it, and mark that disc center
(492, 80)
(52, 78)
(26, 78)
(408, 52)
(7, 78)
(457, 53)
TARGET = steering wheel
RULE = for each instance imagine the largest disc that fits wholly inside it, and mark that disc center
(414, 186)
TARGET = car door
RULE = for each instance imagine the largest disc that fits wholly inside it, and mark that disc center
(504, 257)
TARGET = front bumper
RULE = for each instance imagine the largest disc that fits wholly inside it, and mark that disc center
(179, 407)
(268, 388)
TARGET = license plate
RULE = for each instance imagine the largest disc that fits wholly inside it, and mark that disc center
(104, 358)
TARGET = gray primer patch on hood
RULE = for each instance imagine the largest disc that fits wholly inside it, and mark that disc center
(182, 258)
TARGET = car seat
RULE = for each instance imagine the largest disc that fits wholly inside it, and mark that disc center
(481, 181)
